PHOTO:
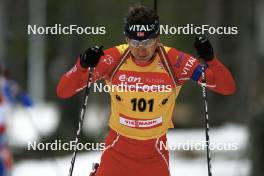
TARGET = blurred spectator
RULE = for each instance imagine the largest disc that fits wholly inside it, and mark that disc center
(10, 96)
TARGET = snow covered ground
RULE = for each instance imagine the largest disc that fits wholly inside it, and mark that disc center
(230, 162)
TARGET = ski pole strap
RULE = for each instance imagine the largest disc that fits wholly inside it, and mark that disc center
(166, 63)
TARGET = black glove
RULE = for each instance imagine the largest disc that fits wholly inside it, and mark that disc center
(91, 56)
(204, 48)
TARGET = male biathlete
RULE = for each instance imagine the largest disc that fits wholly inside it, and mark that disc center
(151, 76)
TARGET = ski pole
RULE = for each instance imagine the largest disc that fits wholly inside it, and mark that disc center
(82, 115)
(204, 92)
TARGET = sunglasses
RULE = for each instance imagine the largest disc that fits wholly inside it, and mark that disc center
(144, 43)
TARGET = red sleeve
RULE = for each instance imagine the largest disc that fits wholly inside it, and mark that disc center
(76, 78)
(218, 77)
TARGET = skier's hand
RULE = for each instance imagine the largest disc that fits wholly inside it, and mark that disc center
(91, 56)
(204, 48)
